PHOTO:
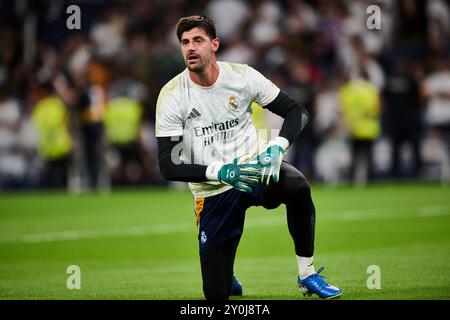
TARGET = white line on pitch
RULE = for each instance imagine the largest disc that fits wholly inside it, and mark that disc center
(253, 222)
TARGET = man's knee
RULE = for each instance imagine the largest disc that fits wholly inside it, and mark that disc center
(295, 185)
(292, 186)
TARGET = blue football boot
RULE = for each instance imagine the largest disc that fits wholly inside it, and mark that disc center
(315, 284)
(236, 287)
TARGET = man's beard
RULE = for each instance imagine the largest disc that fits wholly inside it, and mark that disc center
(199, 67)
(196, 69)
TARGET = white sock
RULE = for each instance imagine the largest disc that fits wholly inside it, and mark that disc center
(305, 266)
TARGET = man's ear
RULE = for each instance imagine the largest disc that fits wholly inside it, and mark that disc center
(215, 44)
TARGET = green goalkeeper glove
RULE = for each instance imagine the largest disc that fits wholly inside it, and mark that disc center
(242, 176)
(270, 160)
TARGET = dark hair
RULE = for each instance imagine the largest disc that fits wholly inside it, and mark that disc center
(191, 22)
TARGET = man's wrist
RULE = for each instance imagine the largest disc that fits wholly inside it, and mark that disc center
(279, 141)
(212, 171)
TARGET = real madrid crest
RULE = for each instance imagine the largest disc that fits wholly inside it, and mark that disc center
(232, 103)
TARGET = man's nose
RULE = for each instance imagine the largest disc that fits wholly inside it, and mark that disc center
(190, 47)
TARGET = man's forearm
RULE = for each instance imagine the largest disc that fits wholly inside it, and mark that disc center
(177, 172)
(184, 172)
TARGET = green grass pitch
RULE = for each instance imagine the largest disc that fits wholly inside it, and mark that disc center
(142, 244)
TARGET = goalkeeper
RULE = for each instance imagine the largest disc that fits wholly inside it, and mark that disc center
(206, 137)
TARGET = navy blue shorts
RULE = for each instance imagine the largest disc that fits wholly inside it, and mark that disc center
(222, 216)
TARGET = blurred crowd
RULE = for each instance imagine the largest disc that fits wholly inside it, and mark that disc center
(77, 107)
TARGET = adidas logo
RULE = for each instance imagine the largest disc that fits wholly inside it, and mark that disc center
(193, 114)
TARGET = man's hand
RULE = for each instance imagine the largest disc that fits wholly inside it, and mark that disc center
(270, 160)
(242, 176)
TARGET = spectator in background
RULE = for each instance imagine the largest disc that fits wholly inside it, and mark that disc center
(363, 65)
(412, 31)
(436, 89)
(51, 118)
(360, 104)
(239, 51)
(403, 114)
(12, 165)
(300, 18)
(92, 119)
(264, 28)
(301, 87)
(29, 142)
(230, 16)
(439, 25)
(122, 125)
(86, 92)
(332, 156)
(108, 34)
